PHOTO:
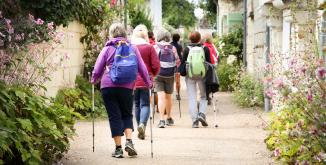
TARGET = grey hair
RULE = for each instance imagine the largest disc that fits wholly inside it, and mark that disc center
(140, 31)
(117, 30)
(163, 35)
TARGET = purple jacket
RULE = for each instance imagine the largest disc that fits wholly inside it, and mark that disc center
(106, 59)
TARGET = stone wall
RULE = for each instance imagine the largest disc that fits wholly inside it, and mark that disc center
(257, 30)
(66, 74)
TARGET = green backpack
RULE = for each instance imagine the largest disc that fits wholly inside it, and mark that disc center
(196, 63)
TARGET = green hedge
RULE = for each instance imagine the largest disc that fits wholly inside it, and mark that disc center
(33, 129)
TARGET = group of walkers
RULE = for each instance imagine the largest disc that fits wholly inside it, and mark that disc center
(130, 69)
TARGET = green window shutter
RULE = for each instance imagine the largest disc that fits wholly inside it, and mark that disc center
(233, 20)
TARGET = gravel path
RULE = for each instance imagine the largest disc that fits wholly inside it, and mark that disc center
(238, 140)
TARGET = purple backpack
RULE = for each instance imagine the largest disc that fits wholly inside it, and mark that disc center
(167, 61)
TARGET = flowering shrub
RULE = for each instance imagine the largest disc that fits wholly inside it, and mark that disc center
(228, 75)
(297, 89)
(26, 45)
(298, 128)
(231, 44)
(248, 92)
(34, 130)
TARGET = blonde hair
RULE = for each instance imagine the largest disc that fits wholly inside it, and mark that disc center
(207, 37)
(140, 31)
(117, 30)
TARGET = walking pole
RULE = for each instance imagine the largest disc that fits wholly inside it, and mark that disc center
(177, 85)
(151, 123)
(93, 109)
(215, 111)
(179, 99)
(155, 103)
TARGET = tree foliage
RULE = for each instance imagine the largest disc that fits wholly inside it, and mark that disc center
(210, 11)
(139, 14)
(178, 13)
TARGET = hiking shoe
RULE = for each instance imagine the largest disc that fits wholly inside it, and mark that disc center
(169, 121)
(117, 153)
(202, 119)
(141, 131)
(130, 149)
(161, 124)
(195, 124)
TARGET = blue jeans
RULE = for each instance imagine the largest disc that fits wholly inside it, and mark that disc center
(142, 106)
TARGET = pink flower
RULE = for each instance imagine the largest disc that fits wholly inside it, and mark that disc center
(320, 73)
(268, 67)
(309, 96)
(320, 62)
(39, 21)
(303, 70)
(50, 26)
(269, 93)
(278, 83)
(314, 131)
(31, 17)
(11, 30)
(18, 37)
(277, 152)
(23, 35)
(8, 22)
(66, 56)
(59, 37)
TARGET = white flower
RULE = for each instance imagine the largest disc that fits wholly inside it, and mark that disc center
(230, 60)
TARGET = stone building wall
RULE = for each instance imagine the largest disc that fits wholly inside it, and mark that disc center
(66, 74)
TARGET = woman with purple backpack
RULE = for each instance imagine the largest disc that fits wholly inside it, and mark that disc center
(117, 84)
(164, 81)
(142, 93)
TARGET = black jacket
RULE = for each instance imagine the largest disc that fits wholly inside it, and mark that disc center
(211, 79)
(178, 47)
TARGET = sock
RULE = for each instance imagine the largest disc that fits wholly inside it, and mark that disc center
(116, 147)
(129, 140)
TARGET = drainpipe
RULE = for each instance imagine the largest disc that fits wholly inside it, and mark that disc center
(125, 14)
(267, 102)
(245, 33)
(217, 17)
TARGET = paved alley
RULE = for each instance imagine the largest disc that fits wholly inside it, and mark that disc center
(239, 139)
